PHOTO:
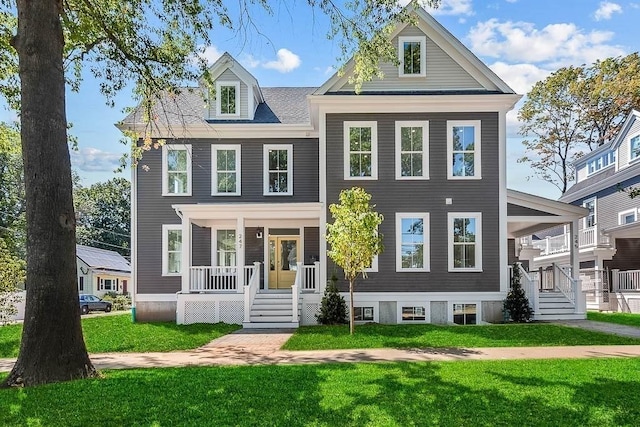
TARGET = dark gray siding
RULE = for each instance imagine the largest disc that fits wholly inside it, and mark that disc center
(311, 244)
(154, 210)
(254, 249)
(516, 210)
(627, 255)
(391, 196)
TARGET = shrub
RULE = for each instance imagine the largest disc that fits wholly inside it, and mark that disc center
(119, 301)
(333, 308)
(517, 303)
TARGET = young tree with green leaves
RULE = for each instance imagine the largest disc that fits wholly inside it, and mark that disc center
(353, 237)
(154, 47)
(11, 275)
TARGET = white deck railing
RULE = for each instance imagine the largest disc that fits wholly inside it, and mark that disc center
(219, 279)
(530, 287)
(587, 237)
(626, 280)
(563, 282)
(311, 277)
(251, 288)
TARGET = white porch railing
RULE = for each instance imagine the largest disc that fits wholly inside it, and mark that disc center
(295, 291)
(626, 280)
(251, 288)
(587, 237)
(566, 284)
(219, 279)
(530, 287)
(311, 277)
(595, 286)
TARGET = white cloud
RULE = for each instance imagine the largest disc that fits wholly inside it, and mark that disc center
(209, 53)
(606, 10)
(91, 159)
(520, 77)
(556, 45)
(453, 7)
(287, 61)
(249, 61)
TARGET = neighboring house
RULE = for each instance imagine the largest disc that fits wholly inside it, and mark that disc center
(609, 235)
(229, 215)
(101, 271)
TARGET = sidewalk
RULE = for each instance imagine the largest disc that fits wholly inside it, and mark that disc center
(258, 347)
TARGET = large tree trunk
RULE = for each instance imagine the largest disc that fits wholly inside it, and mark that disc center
(52, 347)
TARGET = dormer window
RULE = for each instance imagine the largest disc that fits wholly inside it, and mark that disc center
(602, 162)
(227, 99)
(412, 54)
(635, 147)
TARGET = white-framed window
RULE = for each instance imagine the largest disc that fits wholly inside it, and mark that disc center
(108, 285)
(412, 150)
(278, 170)
(465, 241)
(363, 314)
(634, 147)
(465, 313)
(463, 149)
(374, 265)
(412, 54)
(227, 99)
(226, 172)
(628, 216)
(602, 162)
(171, 249)
(412, 242)
(590, 220)
(414, 313)
(176, 170)
(226, 253)
(360, 150)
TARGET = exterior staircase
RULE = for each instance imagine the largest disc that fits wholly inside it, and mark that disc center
(553, 305)
(271, 310)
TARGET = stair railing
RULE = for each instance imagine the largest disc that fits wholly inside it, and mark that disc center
(530, 286)
(563, 282)
(295, 291)
(250, 291)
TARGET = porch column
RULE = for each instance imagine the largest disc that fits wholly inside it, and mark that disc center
(240, 239)
(574, 259)
(186, 253)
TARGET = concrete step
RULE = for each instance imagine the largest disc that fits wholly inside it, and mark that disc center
(270, 319)
(270, 325)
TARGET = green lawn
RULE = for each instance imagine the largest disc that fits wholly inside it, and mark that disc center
(596, 392)
(119, 334)
(417, 336)
(620, 318)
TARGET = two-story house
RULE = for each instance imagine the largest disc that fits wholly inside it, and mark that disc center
(609, 235)
(230, 217)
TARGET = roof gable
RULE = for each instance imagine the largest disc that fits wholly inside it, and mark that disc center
(102, 259)
(227, 62)
(454, 57)
(626, 127)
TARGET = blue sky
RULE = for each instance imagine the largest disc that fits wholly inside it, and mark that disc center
(523, 41)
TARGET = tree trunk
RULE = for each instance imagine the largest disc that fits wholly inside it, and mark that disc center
(52, 347)
(351, 314)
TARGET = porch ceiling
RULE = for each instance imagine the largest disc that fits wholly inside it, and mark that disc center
(548, 213)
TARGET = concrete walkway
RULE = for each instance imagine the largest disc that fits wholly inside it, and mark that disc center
(256, 347)
(609, 328)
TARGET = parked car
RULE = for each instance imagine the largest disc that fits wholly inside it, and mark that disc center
(93, 303)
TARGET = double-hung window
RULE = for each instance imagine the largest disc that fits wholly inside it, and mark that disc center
(463, 149)
(227, 99)
(171, 250)
(465, 241)
(412, 242)
(634, 152)
(590, 219)
(176, 170)
(360, 150)
(278, 170)
(412, 55)
(412, 150)
(628, 216)
(226, 170)
(226, 248)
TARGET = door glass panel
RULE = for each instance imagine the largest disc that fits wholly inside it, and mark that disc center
(272, 255)
(289, 255)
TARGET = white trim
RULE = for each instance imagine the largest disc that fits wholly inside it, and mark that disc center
(361, 297)
(134, 236)
(219, 85)
(595, 212)
(478, 243)
(374, 265)
(156, 297)
(478, 305)
(423, 55)
(425, 148)
(165, 169)
(373, 125)
(265, 168)
(477, 149)
(622, 214)
(165, 248)
(631, 158)
(214, 169)
(322, 127)
(503, 198)
(426, 245)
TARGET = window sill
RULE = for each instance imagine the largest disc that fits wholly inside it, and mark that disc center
(171, 274)
(465, 270)
(277, 194)
(413, 270)
(412, 178)
(360, 178)
(226, 194)
(464, 178)
(414, 76)
(176, 194)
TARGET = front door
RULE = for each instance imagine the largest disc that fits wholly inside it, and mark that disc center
(284, 253)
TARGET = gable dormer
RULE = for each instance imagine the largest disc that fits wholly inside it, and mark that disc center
(430, 60)
(235, 94)
(627, 143)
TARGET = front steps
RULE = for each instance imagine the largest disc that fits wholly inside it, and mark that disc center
(555, 306)
(271, 310)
